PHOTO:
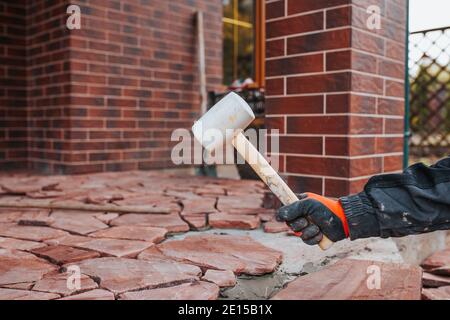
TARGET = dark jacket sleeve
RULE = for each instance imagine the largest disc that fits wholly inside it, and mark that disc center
(396, 205)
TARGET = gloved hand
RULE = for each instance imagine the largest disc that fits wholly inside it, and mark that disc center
(326, 216)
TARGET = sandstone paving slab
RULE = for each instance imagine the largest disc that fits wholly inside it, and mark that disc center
(68, 240)
(202, 205)
(233, 221)
(30, 232)
(25, 245)
(223, 278)
(240, 254)
(60, 254)
(196, 221)
(15, 294)
(77, 222)
(120, 274)
(438, 259)
(441, 293)
(150, 234)
(97, 294)
(153, 254)
(18, 267)
(172, 222)
(350, 279)
(443, 271)
(61, 283)
(249, 202)
(199, 290)
(35, 217)
(106, 217)
(116, 247)
(433, 281)
(275, 227)
(20, 286)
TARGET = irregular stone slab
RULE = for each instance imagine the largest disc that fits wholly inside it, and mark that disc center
(119, 274)
(171, 222)
(437, 260)
(56, 282)
(201, 205)
(444, 271)
(30, 233)
(349, 279)
(153, 254)
(76, 222)
(21, 286)
(187, 291)
(232, 221)
(107, 217)
(196, 221)
(63, 254)
(243, 202)
(35, 218)
(97, 294)
(15, 294)
(240, 254)
(223, 278)
(433, 281)
(117, 247)
(275, 227)
(150, 234)
(68, 240)
(442, 293)
(18, 267)
(10, 243)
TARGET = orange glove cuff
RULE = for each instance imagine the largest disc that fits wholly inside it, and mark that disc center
(334, 206)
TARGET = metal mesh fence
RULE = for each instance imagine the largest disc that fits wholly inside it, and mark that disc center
(430, 92)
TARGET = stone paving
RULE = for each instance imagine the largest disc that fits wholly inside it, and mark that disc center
(191, 238)
(131, 255)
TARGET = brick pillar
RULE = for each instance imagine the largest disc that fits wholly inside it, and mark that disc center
(335, 91)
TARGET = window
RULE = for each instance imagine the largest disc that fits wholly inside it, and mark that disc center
(243, 41)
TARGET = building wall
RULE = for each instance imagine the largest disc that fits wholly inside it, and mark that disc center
(13, 93)
(335, 90)
(108, 96)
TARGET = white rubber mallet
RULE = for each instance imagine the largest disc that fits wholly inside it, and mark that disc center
(230, 116)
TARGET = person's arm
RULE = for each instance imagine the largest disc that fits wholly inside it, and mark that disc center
(391, 205)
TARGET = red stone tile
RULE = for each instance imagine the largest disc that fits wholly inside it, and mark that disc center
(97, 294)
(224, 252)
(56, 282)
(442, 293)
(187, 291)
(30, 232)
(437, 260)
(349, 280)
(116, 247)
(171, 222)
(275, 227)
(14, 294)
(223, 278)
(76, 222)
(120, 275)
(202, 205)
(433, 281)
(18, 267)
(10, 243)
(149, 234)
(20, 286)
(233, 221)
(63, 254)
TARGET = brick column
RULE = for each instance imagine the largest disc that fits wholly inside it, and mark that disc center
(335, 91)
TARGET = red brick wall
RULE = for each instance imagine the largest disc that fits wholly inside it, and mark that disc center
(13, 111)
(108, 96)
(335, 91)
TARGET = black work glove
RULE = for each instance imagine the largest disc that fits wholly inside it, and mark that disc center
(313, 216)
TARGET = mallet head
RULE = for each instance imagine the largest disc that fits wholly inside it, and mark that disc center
(228, 117)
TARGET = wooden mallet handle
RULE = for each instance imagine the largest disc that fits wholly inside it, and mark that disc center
(269, 176)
